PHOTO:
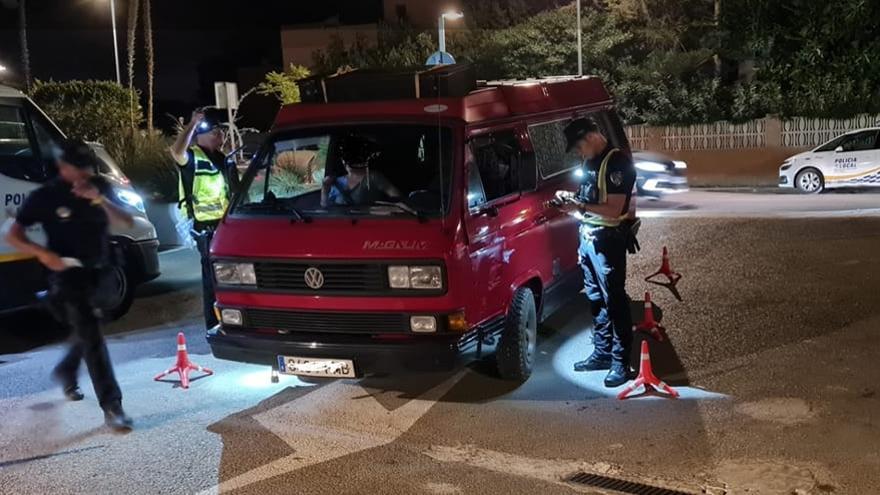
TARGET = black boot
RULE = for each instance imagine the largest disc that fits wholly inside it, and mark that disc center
(593, 363)
(68, 386)
(618, 375)
(73, 393)
(116, 418)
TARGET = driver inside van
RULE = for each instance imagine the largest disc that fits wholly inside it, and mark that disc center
(361, 185)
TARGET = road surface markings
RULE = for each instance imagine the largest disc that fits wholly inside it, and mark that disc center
(333, 421)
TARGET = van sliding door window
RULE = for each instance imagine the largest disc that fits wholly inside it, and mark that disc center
(17, 157)
(548, 140)
(497, 159)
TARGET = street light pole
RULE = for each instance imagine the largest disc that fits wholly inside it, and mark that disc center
(115, 43)
(579, 41)
(441, 33)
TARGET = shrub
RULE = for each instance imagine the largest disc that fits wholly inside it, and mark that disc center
(145, 159)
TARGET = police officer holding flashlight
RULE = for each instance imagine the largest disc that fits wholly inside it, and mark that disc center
(205, 185)
(604, 206)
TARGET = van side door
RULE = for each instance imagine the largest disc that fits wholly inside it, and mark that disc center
(498, 224)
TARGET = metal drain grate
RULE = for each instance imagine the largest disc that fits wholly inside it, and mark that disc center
(622, 486)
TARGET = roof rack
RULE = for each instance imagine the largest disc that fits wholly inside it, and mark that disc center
(531, 80)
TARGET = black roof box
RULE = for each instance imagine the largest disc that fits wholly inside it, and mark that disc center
(454, 80)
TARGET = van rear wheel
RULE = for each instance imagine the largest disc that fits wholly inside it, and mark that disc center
(515, 354)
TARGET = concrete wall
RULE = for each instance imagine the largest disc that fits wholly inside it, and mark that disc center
(738, 167)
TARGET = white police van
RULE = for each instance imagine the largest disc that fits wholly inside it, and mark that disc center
(850, 160)
(27, 138)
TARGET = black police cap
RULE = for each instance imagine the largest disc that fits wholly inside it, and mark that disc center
(78, 153)
(577, 129)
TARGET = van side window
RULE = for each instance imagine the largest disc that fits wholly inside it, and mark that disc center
(475, 194)
(549, 143)
(17, 157)
(497, 158)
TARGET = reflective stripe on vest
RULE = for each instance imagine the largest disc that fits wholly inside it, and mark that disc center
(596, 220)
(209, 191)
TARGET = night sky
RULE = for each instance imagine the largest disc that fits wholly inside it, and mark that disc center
(196, 41)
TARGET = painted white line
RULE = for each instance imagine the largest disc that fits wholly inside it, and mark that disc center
(334, 421)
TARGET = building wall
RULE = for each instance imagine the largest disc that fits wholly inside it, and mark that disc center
(298, 44)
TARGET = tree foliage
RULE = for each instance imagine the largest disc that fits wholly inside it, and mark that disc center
(282, 85)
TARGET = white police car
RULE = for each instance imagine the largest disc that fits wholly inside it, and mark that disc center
(850, 160)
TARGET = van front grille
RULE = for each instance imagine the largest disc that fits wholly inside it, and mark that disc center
(338, 277)
(315, 321)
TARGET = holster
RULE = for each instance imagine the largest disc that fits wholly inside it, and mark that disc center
(630, 229)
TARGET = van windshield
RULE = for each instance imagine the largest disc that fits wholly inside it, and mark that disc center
(351, 170)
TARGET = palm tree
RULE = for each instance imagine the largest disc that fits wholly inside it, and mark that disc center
(151, 62)
(22, 34)
(132, 32)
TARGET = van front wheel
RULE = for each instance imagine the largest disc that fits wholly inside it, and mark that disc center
(516, 349)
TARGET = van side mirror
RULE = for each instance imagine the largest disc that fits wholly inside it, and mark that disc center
(838, 149)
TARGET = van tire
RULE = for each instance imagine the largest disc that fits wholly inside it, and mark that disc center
(515, 354)
(125, 296)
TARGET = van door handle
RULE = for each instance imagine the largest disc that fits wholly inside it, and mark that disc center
(540, 219)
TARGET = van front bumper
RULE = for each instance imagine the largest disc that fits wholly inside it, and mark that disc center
(370, 353)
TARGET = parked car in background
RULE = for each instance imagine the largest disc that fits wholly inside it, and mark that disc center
(27, 139)
(657, 174)
(849, 160)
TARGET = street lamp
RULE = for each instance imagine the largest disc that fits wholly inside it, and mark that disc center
(579, 41)
(441, 35)
(115, 42)
(2, 68)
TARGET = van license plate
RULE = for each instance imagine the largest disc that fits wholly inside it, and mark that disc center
(333, 368)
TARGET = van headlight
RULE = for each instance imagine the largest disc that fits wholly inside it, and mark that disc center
(132, 199)
(415, 277)
(651, 166)
(235, 273)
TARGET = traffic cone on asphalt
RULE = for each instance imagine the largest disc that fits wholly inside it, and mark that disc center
(647, 379)
(665, 270)
(649, 324)
(183, 365)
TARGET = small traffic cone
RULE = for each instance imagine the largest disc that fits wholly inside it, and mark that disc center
(649, 324)
(647, 378)
(665, 270)
(183, 365)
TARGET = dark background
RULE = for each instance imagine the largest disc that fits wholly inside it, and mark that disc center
(196, 42)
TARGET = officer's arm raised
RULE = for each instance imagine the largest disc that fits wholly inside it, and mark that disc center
(181, 143)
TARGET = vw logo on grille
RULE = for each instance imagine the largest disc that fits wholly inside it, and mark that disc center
(314, 278)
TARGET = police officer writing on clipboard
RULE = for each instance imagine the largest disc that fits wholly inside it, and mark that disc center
(74, 211)
(604, 206)
(205, 186)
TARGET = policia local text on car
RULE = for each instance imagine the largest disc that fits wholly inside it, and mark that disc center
(75, 210)
(605, 208)
(205, 186)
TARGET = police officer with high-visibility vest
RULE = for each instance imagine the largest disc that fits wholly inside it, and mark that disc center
(205, 186)
(606, 210)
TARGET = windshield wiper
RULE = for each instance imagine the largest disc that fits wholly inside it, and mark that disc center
(278, 206)
(406, 209)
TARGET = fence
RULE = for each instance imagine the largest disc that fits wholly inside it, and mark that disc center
(797, 132)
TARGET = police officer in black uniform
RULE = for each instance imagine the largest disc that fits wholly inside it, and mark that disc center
(604, 206)
(75, 210)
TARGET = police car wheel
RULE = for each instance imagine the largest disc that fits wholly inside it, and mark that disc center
(809, 181)
(515, 354)
(121, 294)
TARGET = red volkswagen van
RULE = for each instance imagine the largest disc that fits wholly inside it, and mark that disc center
(453, 249)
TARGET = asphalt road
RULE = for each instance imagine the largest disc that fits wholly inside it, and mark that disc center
(773, 348)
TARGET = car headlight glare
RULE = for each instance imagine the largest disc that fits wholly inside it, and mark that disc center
(680, 165)
(651, 166)
(415, 277)
(235, 273)
(132, 199)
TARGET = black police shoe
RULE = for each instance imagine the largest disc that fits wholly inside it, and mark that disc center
(618, 375)
(115, 418)
(73, 393)
(593, 363)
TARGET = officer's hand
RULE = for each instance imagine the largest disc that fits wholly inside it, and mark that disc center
(86, 190)
(197, 116)
(52, 261)
(564, 196)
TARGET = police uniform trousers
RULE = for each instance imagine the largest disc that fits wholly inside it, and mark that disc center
(203, 233)
(602, 254)
(72, 293)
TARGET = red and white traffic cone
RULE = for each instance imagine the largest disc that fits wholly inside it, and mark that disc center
(649, 324)
(647, 378)
(665, 270)
(183, 365)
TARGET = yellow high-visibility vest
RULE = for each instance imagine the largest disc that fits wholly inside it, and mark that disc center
(600, 221)
(210, 193)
